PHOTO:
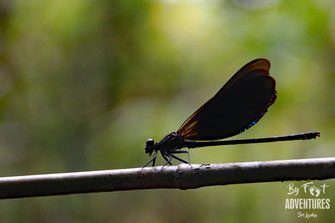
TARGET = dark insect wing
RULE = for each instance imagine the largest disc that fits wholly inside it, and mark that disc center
(237, 106)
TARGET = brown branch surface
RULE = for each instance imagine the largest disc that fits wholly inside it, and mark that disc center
(182, 177)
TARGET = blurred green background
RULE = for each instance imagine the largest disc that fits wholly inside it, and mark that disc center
(83, 84)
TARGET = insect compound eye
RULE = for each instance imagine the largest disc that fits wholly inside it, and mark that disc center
(149, 146)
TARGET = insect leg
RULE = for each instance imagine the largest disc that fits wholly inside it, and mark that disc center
(188, 154)
(177, 158)
(167, 160)
(153, 160)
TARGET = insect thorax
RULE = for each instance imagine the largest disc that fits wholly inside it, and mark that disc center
(171, 142)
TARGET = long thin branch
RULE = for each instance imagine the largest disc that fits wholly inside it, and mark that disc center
(182, 177)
